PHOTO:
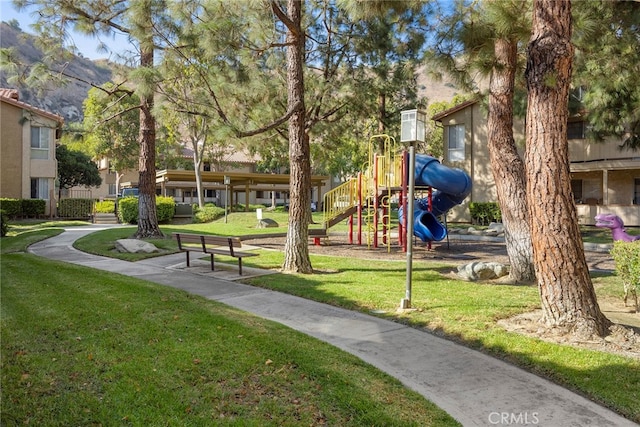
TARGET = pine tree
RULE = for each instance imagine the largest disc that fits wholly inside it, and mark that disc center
(607, 66)
(566, 292)
(484, 39)
(140, 20)
(296, 250)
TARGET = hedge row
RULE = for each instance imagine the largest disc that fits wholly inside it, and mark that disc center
(75, 208)
(21, 208)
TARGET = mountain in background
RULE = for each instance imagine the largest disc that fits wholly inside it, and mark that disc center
(65, 101)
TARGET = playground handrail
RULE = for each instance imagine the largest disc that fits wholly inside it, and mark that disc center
(340, 199)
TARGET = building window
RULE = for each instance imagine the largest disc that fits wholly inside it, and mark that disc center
(207, 167)
(576, 189)
(576, 130)
(260, 194)
(112, 189)
(40, 188)
(40, 142)
(210, 194)
(636, 192)
(455, 138)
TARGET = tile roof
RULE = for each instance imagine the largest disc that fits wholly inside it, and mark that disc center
(10, 96)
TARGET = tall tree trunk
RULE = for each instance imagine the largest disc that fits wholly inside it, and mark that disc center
(507, 165)
(382, 111)
(566, 292)
(198, 136)
(296, 249)
(197, 162)
(147, 212)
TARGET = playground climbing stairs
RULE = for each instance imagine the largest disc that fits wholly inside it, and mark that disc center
(340, 203)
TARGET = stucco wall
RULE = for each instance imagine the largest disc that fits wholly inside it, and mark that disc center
(582, 150)
(621, 186)
(476, 162)
(11, 151)
(17, 166)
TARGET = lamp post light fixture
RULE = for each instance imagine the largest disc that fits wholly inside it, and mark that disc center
(412, 130)
(413, 125)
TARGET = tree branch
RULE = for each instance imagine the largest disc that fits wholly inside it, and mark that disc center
(291, 26)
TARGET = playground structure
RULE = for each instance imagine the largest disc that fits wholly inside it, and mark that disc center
(384, 179)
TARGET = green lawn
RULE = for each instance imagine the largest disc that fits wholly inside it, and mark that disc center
(84, 347)
(466, 312)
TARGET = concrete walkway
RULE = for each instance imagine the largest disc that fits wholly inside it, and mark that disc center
(476, 389)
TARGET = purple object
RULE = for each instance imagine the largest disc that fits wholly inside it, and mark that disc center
(614, 222)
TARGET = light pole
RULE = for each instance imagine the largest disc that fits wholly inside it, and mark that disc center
(412, 130)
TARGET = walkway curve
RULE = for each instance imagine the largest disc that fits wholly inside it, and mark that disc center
(474, 388)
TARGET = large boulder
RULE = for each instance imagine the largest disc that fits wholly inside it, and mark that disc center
(134, 246)
(495, 229)
(267, 223)
(480, 270)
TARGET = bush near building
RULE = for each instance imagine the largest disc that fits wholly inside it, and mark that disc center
(75, 208)
(208, 213)
(105, 206)
(627, 258)
(128, 209)
(23, 208)
(484, 213)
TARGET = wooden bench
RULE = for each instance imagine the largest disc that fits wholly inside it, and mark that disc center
(208, 244)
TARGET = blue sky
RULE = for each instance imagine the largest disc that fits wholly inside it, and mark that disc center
(86, 45)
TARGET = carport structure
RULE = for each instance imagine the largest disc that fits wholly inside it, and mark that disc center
(236, 183)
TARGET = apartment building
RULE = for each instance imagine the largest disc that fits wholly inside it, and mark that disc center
(604, 177)
(28, 136)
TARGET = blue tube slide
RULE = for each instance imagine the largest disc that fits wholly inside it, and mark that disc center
(451, 186)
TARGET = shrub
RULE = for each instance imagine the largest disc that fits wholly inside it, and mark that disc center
(485, 213)
(207, 214)
(128, 209)
(11, 207)
(627, 258)
(105, 206)
(75, 208)
(33, 207)
(166, 208)
(4, 225)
